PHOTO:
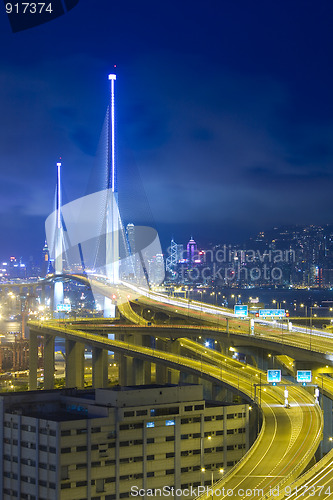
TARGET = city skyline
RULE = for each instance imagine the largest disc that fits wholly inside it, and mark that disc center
(224, 126)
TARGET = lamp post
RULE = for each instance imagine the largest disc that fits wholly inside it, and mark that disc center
(306, 321)
(221, 471)
(278, 303)
(200, 291)
(306, 316)
(236, 297)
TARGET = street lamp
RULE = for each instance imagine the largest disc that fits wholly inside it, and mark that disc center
(236, 297)
(278, 303)
(220, 471)
(306, 320)
(200, 291)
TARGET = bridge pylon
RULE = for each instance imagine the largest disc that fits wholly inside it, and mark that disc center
(58, 291)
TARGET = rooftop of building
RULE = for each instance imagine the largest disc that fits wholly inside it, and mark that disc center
(75, 404)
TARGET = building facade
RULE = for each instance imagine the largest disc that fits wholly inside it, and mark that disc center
(107, 444)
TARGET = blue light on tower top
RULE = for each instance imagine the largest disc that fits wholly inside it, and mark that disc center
(112, 178)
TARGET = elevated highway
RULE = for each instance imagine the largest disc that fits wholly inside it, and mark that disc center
(289, 437)
(295, 343)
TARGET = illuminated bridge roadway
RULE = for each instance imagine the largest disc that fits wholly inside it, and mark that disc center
(311, 350)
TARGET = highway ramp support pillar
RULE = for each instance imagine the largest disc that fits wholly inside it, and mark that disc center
(207, 389)
(130, 375)
(48, 362)
(33, 360)
(218, 393)
(138, 372)
(173, 375)
(74, 364)
(126, 374)
(99, 367)
(122, 360)
(146, 342)
(161, 370)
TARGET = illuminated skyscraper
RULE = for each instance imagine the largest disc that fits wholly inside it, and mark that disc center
(46, 260)
(192, 251)
(131, 237)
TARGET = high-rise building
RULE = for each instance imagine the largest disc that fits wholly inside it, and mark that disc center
(156, 269)
(130, 231)
(135, 271)
(17, 269)
(192, 251)
(108, 443)
(46, 260)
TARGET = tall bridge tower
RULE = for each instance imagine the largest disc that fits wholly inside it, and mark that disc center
(112, 219)
(112, 213)
(58, 296)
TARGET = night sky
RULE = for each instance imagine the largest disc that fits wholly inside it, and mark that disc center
(224, 115)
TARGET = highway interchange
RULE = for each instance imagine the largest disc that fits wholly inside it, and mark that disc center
(288, 437)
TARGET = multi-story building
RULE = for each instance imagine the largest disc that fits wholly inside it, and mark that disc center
(105, 444)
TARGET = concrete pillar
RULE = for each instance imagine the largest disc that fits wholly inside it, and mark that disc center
(161, 370)
(48, 362)
(33, 360)
(173, 375)
(127, 377)
(130, 375)
(74, 364)
(207, 389)
(161, 374)
(138, 371)
(99, 367)
(218, 392)
(118, 359)
(146, 342)
(122, 361)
